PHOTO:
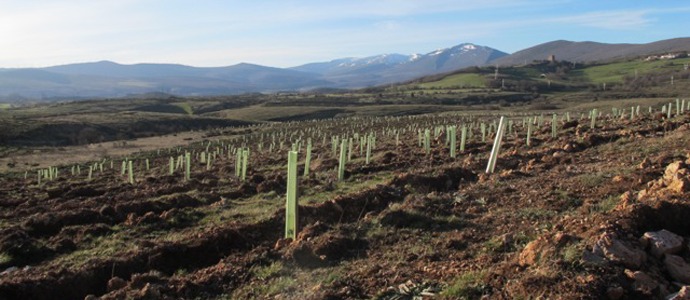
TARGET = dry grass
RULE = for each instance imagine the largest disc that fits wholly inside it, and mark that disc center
(45, 157)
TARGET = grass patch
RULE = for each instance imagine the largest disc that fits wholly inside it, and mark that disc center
(5, 258)
(456, 81)
(284, 285)
(467, 286)
(248, 210)
(592, 180)
(499, 244)
(349, 185)
(275, 269)
(266, 113)
(572, 253)
(614, 73)
(606, 205)
(535, 213)
(186, 107)
(102, 246)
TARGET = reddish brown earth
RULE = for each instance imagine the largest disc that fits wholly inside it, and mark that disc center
(564, 218)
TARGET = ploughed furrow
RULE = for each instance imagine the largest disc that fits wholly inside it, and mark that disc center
(342, 211)
(199, 250)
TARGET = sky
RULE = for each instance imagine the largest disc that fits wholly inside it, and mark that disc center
(286, 33)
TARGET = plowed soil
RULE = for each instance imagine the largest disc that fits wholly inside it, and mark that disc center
(408, 224)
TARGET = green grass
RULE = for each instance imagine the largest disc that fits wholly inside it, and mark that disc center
(596, 74)
(467, 286)
(5, 258)
(349, 185)
(456, 81)
(283, 285)
(266, 113)
(186, 107)
(535, 213)
(606, 205)
(102, 246)
(614, 72)
(572, 253)
(527, 72)
(496, 245)
(592, 180)
(275, 269)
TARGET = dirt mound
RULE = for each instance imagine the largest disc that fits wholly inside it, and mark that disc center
(325, 249)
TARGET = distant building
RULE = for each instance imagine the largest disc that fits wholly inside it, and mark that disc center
(665, 56)
(551, 58)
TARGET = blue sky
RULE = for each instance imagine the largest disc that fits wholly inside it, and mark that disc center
(286, 33)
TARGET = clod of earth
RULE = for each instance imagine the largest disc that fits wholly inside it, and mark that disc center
(677, 177)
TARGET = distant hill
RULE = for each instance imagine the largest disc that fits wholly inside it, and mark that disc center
(591, 51)
(110, 79)
(391, 68)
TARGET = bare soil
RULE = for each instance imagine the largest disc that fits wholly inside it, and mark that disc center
(409, 224)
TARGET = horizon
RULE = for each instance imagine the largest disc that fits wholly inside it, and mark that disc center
(280, 34)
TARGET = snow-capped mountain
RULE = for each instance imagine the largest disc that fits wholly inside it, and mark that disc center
(109, 79)
(350, 63)
(388, 68)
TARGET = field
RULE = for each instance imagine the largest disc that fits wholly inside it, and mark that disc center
(164, 197)
(561, 217)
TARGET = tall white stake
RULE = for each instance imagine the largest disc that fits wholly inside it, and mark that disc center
(496, 147)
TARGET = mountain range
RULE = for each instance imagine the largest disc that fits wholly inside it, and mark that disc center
(110, 79)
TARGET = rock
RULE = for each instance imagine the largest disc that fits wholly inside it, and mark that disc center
(677, 268)
(609, 247)
(615, 293)
(663, 242)
(677, 177)
(116, 283)
(642, 282)
(90, 297)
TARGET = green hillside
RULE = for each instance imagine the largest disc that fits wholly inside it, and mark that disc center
(614, 72)
(558, 76)
(471, 80)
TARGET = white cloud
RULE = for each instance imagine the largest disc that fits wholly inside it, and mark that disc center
(614, 20)
(277, 33)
